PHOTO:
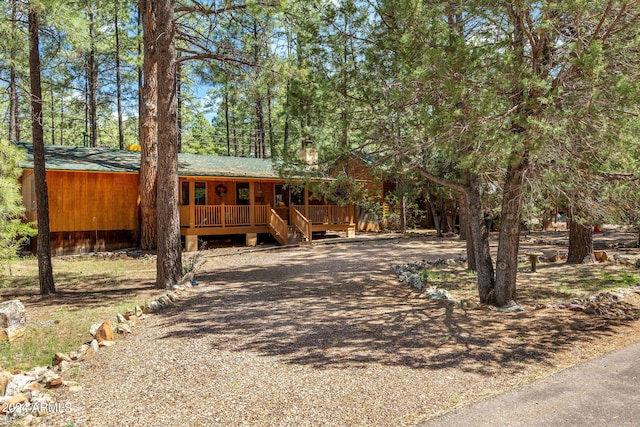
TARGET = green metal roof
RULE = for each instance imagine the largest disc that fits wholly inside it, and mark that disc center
(67, 158)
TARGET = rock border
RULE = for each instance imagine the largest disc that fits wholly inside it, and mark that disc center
(25, 396)
(409, 274)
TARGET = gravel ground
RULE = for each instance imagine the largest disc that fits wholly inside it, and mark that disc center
(313, 336)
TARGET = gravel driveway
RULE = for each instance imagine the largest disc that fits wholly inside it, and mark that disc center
(312, 336)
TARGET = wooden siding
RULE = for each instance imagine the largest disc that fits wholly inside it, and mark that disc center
(80, 201)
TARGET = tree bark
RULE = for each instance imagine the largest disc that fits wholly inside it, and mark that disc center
(118, 81)
(226, 118)
(13, 80)
(465, 234)
(45, 269)
(13, 105)
(403, 214)
(463, 218)
(92, 78)
(179, 100)
(148, 132)
(509, 237)
(437, 212)
(580, 244)
(169, 261)
(479, 235)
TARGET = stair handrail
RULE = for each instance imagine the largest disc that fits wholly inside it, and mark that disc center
(300, 222)
(279, 227)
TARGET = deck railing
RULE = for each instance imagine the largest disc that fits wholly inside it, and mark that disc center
(259, 215)
(301, 223)
(279, 227)
(230, 215)
(327, 214)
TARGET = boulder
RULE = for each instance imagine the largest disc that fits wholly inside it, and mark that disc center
(13, 403)
(54, 382)
(601, 256)
(58, 358)
(89, 354)
(13, 320)
(105, 333)
(18, 383)
(554, 257)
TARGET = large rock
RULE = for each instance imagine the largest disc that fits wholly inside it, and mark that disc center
(18, 383)
(601, 256)
(13, 320)
(105, 332)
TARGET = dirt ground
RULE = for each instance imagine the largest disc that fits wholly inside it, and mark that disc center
(327, 335)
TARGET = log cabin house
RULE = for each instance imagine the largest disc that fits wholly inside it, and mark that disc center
(94, 200)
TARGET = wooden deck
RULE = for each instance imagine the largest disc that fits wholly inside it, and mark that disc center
(216, 220)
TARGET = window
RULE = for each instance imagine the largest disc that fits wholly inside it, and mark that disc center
(200, 195)
(242, 194)
(184, 193)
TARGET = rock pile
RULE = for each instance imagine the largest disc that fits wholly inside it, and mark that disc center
(27, 395)
(413, 274)
(603, 304)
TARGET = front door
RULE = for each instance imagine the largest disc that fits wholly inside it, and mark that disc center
(242, 194)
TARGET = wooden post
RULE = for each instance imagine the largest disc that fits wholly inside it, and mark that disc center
(192, 204)
(252, 216)
(533, 258)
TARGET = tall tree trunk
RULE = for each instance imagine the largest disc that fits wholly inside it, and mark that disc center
(235, 133)
(580, 243)
(509, 238)
(139, 67)
(93, 82)
(226, 118)
(13, 79)
(437, 211)
(287, 119)
(53, 114)
(465, 234)
(259, 138)
(179, 99)
(272, 141)
(62, 116)
(480, 238)
(45, 269)
(462, 215)
(471, 254)
(13, 105)
(169, 261)
(148, 131)
(260, 134)
(403, 214)
(118, 82)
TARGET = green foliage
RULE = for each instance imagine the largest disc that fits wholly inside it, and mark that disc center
(13, 233)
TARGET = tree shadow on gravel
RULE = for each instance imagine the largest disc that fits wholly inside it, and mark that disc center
(330, 309)
(83, 291)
